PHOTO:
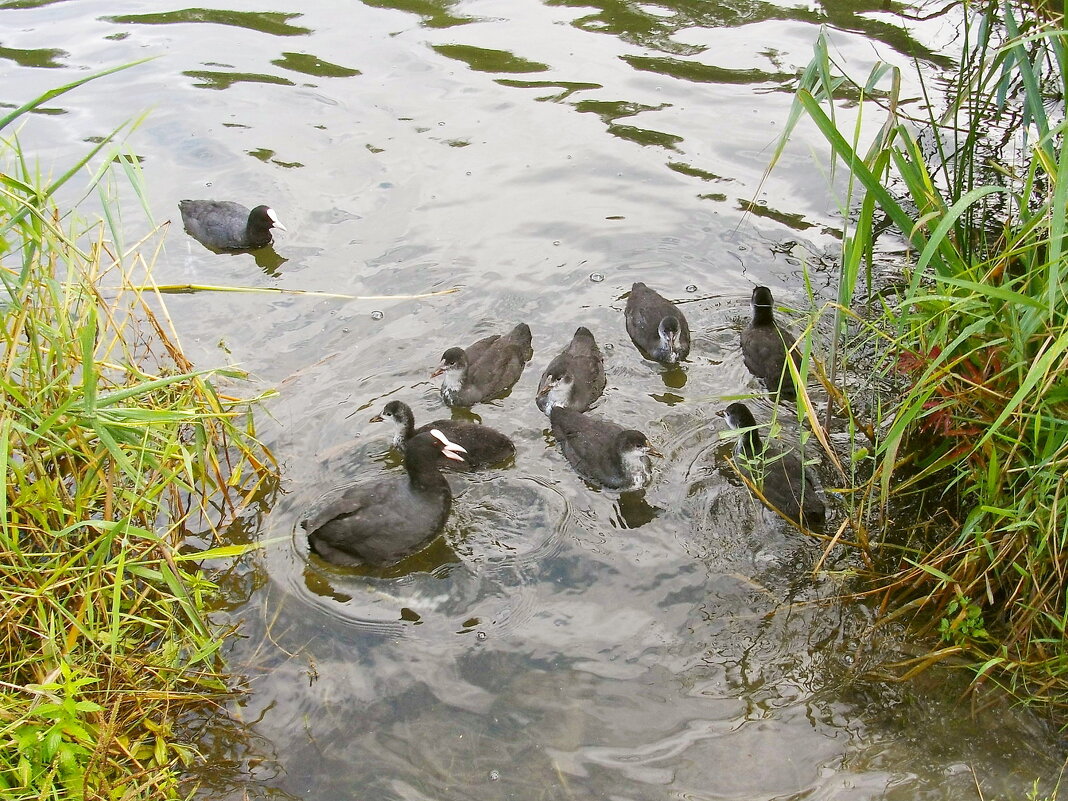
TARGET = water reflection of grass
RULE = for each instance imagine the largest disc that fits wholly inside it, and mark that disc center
(959, 470)
(116, 453)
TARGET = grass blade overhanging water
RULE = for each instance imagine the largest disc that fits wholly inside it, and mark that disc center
(977, 347)
(114, 448)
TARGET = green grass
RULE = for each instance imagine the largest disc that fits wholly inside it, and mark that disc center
(963, 505)
(114, 449)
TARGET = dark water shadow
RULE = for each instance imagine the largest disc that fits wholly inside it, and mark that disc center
(275, 23)
(267, 258)
(631, 510)
(44, 58)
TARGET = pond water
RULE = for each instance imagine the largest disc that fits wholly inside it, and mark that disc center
(541, 155)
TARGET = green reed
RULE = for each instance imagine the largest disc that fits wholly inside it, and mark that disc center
(965, 494)
(114, 450)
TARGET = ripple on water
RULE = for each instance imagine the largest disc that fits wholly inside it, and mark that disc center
(476, 577)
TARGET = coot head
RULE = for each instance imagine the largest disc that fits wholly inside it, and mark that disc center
(739, 416)
(454, 359)
(671, 339)
(762, 303)
(556, 390)
(400, 414)
(634, 450)
(261, 220)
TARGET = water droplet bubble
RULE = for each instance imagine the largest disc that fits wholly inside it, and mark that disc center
(481, 635)
(691, 288)
(596, 277)
(556, 243)
(377, 315)
(494, 775)
(609, 346)
(346, 330)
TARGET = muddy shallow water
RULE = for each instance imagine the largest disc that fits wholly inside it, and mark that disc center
(558, 642)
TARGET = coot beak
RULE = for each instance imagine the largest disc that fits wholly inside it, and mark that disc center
(449, 449)
(275, 222)
(449, 453)
(654, 452)
(439, 371)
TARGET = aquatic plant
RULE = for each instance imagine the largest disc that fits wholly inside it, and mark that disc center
(967, 414)
(114, 450)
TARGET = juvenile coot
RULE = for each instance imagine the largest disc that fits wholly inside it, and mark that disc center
(486, 369)
(379, 524)
(575, 378)
(225, 225)
(602, 452)
(656, 326)
(483, 446)
(765, 344)
(787, 485)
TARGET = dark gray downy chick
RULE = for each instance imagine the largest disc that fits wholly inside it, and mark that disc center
(601, 452)
(765, 345)
(788, 485)
(657, 327)
(575, 377)
(486, 370)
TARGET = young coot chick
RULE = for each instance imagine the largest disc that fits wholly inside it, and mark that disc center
(483, 446)
(656, 326)
(486, 369)
(601, 452)
(787, 485)
(379, 524)
(765, 345)
(575, 377)
(225, 225)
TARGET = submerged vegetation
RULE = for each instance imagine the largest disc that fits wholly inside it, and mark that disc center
(972, 343)
(114, 451)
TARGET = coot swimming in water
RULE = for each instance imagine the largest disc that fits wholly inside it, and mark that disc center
(486, 369)
(601, 452)
(787, 485)
(575, 377)
(483, 446)
(656, 326)
(225, 225)
(765, 345)
(380, 523)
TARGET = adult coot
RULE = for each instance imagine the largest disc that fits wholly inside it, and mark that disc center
(379, 524)
(483, 446)
(601, 452)
(486, 369)
(656, 326)
(765, 345)
(786, 484)
(225, 225)
(575, 377)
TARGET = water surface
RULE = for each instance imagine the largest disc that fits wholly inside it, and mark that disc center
(558, 642)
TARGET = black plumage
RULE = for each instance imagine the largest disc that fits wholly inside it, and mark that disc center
(380, 523)
(225, 225)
